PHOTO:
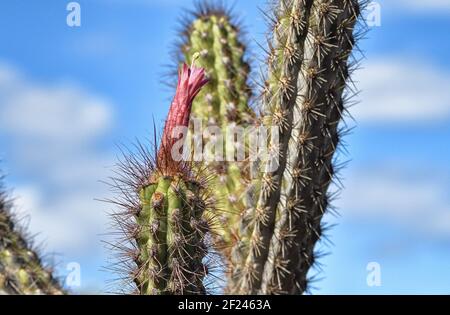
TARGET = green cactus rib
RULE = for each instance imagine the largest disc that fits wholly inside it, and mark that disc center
(151, 239)
(224, 103)
(217, 39)
(171, 238)
(290, 31)
(21, 269)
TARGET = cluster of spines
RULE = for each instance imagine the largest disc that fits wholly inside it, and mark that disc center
(307, 152)
(22, 271)
(316, 137)
(165, 223)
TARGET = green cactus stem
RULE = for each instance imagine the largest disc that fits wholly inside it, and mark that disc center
(339, 70)
(171, 238)
(224, 103)
(168, 207)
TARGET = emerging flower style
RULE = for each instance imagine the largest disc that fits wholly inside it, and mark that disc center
(190, 81)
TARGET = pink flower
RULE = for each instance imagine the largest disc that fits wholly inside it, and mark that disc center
(190, 81)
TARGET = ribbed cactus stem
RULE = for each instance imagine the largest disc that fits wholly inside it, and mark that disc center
(151, 239)
(171, 239)
(226, 98)
(312, 147)
(335, 101)
(290, 31)
(200, 41)
(21, 269)
(168, 228)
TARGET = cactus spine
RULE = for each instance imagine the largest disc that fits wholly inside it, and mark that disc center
(21, 269)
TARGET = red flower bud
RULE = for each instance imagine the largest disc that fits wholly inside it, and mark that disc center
(190, 81)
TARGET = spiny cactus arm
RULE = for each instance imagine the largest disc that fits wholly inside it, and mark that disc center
(290, 31)
(173, 249)
(165, 199)
(224, 103)
(337, 102)
(232, 91)
(312, 147)
(21, 269)
(186, 238)
(232, 73)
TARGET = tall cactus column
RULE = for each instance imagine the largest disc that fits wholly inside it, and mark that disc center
(167, 199)
(171, 238)
(224, 103)
(335, 102)
(290, 31)
(312, 147)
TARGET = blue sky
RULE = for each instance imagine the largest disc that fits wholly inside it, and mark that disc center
(69, 95)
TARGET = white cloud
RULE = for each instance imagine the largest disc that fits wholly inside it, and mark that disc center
(51, 132)
(59, 113)
(66, 223)
(402, 90)
(407, 197)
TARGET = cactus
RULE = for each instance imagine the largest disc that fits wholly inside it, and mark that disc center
(168, 207)
(21, 269)
(280, 96)
(308, 71)
(312, 147)
(224, 103)
(265, 222)
(171, 240)
(213, 34)
(226, 99)
(272, 217)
